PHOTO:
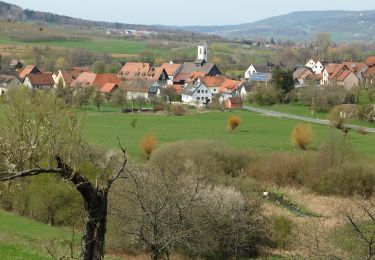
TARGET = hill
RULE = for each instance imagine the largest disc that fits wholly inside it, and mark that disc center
(301, 26)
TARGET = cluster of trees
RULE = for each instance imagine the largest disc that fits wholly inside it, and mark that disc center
(280, 91)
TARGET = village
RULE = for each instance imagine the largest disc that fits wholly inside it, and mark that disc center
(196, 83)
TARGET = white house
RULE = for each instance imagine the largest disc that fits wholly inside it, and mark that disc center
(250, 71)
(196, 93)
(310, 64)
(318, 68)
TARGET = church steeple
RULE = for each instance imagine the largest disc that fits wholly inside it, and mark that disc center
(203, 52)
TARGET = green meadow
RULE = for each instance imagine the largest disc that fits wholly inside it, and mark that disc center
(256, 132)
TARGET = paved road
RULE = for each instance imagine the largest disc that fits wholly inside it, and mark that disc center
(302, 118)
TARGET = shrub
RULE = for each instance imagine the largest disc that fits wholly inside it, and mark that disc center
(234, 122)
(148, 144)
(302, 136)
(178, 110)
(361, 131)
(367, 113)
(267, 95)
(337, 118)
(282, 229)
(134, 122)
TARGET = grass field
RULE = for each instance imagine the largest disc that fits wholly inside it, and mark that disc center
(256, 132)
(23, 238)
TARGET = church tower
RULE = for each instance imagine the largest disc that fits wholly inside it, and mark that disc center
(203, 52)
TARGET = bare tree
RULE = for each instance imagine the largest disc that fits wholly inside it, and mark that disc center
(365, 232)
(40, 135)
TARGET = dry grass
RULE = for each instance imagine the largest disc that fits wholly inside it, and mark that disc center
(302, 136)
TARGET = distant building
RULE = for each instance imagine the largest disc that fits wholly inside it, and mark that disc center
(196, 93)
(39, 81)
(8, 81)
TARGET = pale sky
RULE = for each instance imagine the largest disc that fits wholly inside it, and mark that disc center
(186, 12)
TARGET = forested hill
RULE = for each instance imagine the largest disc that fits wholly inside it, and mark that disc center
(301, 26)
(12, 12)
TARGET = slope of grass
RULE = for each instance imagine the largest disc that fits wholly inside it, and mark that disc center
(23, 238)
(256, 132)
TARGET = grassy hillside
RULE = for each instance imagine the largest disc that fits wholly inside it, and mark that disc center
(256, 132)
(22, 238)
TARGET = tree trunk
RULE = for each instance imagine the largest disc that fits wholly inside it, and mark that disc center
(95, 204)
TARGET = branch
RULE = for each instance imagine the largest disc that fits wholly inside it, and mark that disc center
(7, 176)
(122, 169)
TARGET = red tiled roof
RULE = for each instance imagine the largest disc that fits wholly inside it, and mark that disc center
(102, 79)
(370, 61)
(70, 76)
(86, 79)
(331, 68)
(108, 87)
(339, 68)
(342, 76)
(41, 79)
(135, 69)
(354, 66)
(171, 68)
(26, 71)
(155, 73)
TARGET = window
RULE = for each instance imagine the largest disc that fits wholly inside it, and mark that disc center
(199, 91)
(202, 98)
(206, 91)
(198, 98)
(214, 89)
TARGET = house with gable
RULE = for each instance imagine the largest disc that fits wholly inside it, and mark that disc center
(258, 69)
(172, 71)
(141, 88)
(66, 78)
(196, 93)
(301, 75)
(39, 81)
(29, 69)
(358, 68)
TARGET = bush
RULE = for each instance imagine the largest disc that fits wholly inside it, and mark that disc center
(367, 113)
(333, 170)
(178, 110)
(148, 144)
(361, 131)
(234, 122)
(337, 118)
(282, 229)
(267, 95)
(302, 136)
(323, 98)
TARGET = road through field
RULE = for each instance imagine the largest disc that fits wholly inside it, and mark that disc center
(302, 118)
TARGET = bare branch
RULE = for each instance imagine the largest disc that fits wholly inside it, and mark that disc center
(7, 176)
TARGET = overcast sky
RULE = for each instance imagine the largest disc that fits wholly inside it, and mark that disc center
(186, 12)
